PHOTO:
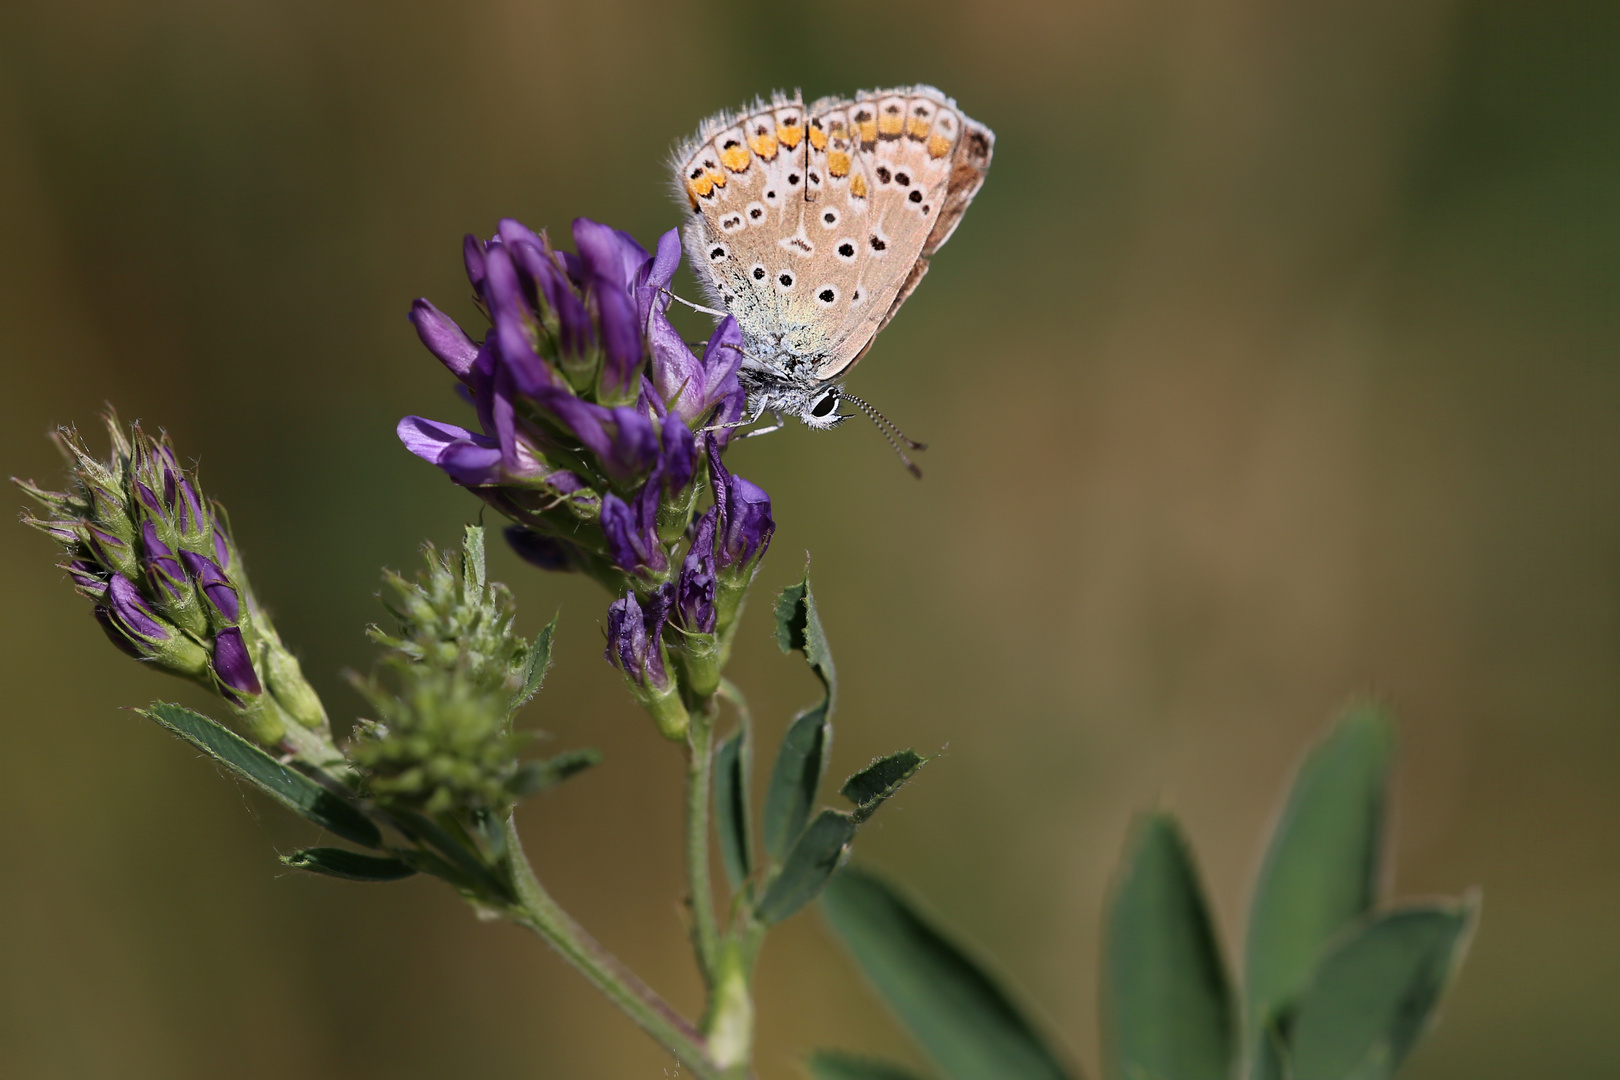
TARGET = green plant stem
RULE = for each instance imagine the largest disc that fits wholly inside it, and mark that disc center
(537, 911)
(700, 885)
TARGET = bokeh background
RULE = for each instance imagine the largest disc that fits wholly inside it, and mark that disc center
(1274, 364)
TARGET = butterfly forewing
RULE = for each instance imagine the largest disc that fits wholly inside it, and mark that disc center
(815, 224)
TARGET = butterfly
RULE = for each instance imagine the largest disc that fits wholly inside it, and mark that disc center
(812, 225)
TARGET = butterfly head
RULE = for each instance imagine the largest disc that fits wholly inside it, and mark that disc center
(820, 408)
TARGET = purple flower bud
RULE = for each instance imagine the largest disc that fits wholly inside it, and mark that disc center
(168, 580)
(694, 593)
(472, 254)
(233, 666)
(744, 526)
(635, 643)
(87, 578)
(631, 530)
(652, 278)
(132, 616)
(515, 323)
(443, 338)
(219, 590)
(605, 256)
(677, 456)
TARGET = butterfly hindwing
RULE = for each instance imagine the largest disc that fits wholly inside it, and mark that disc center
(813, 225)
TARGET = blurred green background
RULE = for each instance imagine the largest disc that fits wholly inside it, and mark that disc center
(1273, 364)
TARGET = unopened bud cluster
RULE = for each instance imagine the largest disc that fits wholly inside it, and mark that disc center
(168, 585)
(442, 737)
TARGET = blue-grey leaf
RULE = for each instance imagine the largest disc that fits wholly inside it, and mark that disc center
(837, 1065)
(1321, 869)
(963, 1021)
(291, 788)
(800, 763)
(819, 850)
(869, 788)
(1167, 1007)
(348, 865)
(1375, 990)
(731, 814)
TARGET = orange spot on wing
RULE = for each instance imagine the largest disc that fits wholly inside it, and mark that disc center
(857, 186)
(700, 187)
(917, 127)
(868, 131)
(890, 124)
(818, 138)
(735, 158)
(764, 145)
(838, 163)
(938, 146)
(789, 136)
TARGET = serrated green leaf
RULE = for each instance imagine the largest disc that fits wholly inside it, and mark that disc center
(869, 788)
(1167, 1007)
(799, 627)
(538, 775)
(801, 761)
(291, 788)
(1375, 990)
(731, 814)
(962, 1020)
(348, 865)
(807, 867)
(837, 1065)
(535, 667)
(457, 853)
(1321, 869)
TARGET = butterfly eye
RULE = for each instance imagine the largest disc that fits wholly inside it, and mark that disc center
(825, 404)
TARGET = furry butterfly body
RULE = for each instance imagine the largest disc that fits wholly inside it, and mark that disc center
(811, 226)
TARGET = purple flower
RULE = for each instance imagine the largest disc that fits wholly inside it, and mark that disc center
(443, 338)
(609, 261)
(694, 590)
(163, 570)
(128, 612)
(635, 633)
(744, 526)
(631, 530)
(697, 388)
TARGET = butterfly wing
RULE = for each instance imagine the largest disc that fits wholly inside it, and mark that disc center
(812, 226)
(921, 161)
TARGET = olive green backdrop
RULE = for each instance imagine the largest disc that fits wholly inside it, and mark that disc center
(1274, 363)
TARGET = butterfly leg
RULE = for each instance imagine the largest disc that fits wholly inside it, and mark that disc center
(695, 307)
(778, 426)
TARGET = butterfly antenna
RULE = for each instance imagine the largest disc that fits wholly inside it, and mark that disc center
(891, 432)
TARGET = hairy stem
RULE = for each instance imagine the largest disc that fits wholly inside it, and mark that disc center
(537, 911)
(699, 776)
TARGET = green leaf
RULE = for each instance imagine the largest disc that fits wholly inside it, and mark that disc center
(540, 774)
(956, 1012)
(1270, 1057)
(731, 788)
(869, 788)
(799, 627)
(800, 762)
(1375, 990)
(807, 867)
(837, 1065)
(472, 559)
(1321, 870)
(534, 670)
(1167, 1008)
(349, 865)
(291, 788)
